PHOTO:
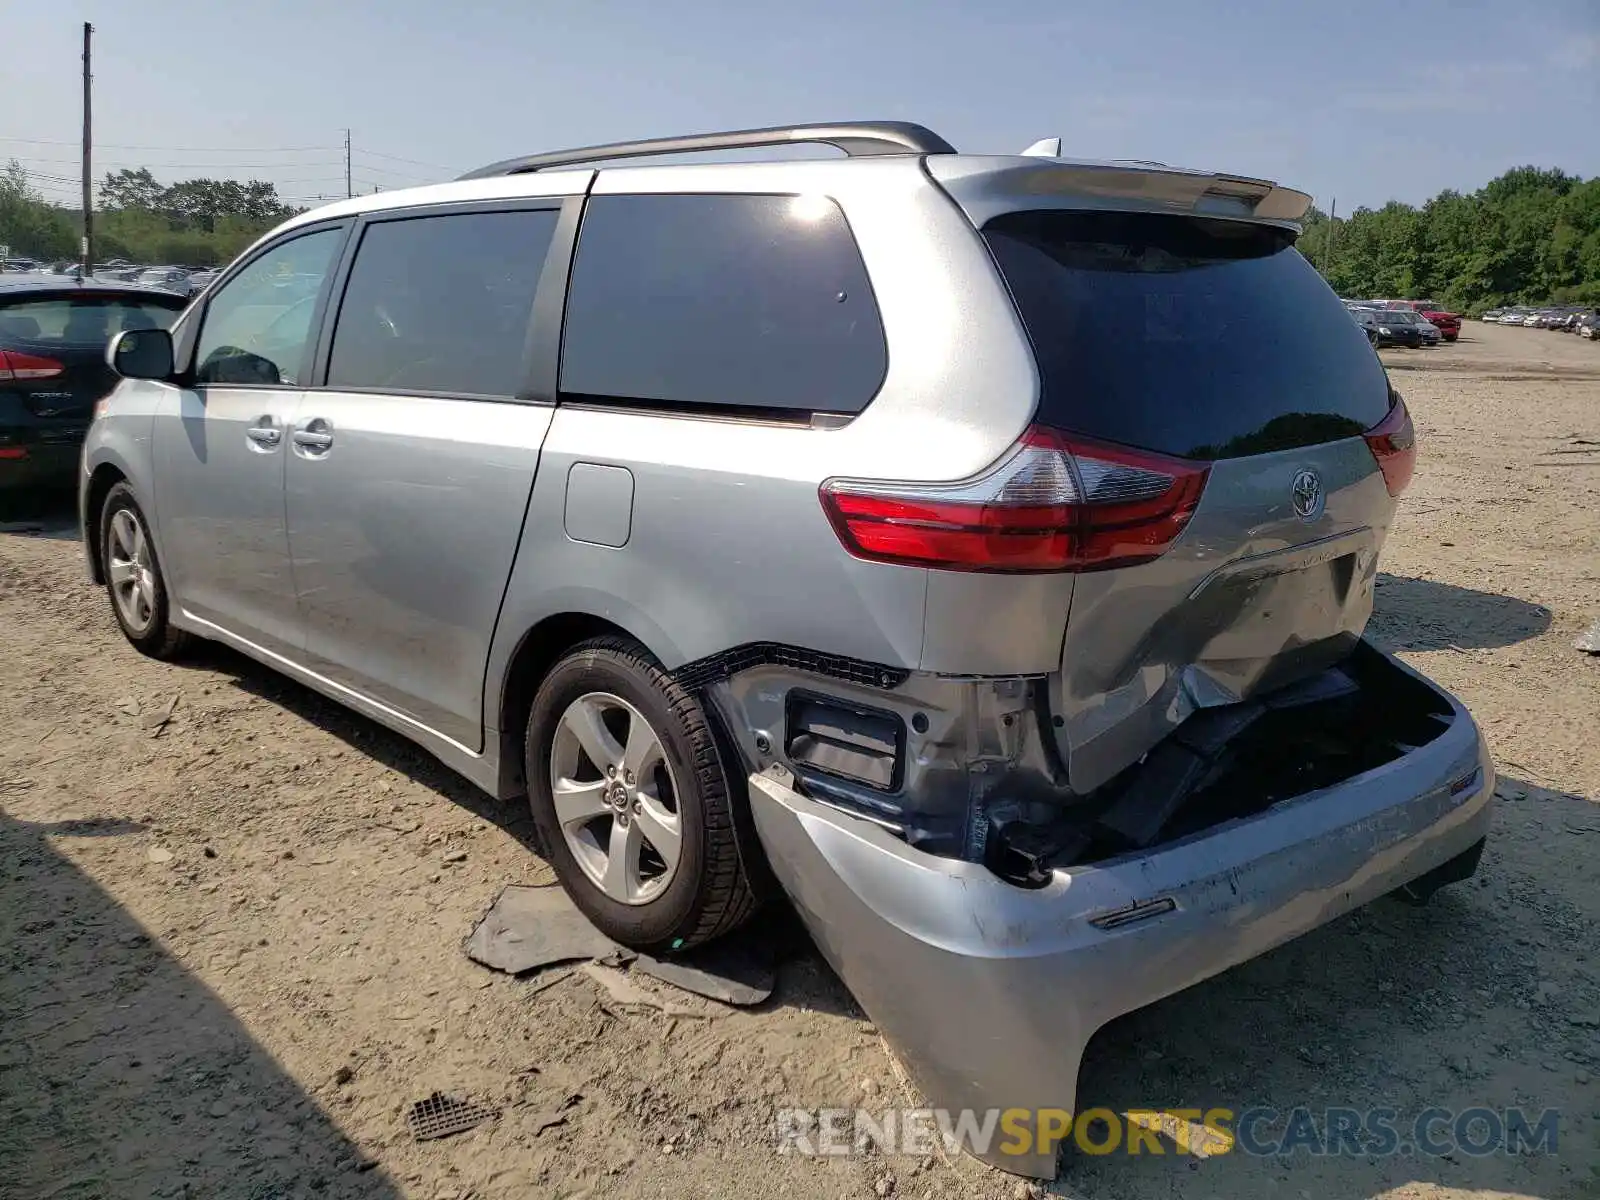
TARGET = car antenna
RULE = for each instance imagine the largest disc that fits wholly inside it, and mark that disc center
(1044, 148)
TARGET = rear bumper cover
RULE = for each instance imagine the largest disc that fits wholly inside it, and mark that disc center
(990, 992)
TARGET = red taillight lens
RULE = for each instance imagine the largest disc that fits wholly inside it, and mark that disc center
(1055, 503)
(15, 365)
(1394, 444)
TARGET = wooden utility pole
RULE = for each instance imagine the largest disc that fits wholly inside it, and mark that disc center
(1333, 232)
(86, 246)
(348, 190)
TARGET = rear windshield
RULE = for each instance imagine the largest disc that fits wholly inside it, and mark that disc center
(1201, 338)
(80, 320)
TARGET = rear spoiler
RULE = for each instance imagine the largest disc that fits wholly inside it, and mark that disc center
(987, 185)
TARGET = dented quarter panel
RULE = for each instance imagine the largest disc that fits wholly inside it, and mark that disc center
(1251, 597)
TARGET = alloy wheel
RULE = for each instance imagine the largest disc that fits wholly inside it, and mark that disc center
(131, 571)
(615, 797)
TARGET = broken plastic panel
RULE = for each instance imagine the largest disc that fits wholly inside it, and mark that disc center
(966, 768)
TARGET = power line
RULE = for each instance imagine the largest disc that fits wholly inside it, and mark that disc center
(180, 149)
(416, 162)
(386, 170)
(211, 166)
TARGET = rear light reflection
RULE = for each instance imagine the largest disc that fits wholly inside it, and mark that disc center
(1056, 503)
(1393, 442)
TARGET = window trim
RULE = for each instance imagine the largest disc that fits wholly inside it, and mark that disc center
(542, 340)
(188, 336)
(743, 413)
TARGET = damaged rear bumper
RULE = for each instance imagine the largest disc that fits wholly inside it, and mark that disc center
(990, 992)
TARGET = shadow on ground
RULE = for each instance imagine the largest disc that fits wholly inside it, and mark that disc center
(121, 1074)
(805, 980)
(1391, 1006)
(1421, 614)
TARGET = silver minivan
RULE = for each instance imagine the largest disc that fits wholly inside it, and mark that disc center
(975, 548)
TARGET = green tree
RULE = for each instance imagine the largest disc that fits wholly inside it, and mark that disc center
(29, 225)
(131, 189)
(1530, 235)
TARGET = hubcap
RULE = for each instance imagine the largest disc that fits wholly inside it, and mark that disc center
(132, 574)
(615, 798)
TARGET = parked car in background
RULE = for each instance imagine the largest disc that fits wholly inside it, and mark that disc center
(1492, 314)
(170, 279)
(1446, 322)
(202, 278)
(1589, 325)
(1429, 332)
(1387, 327)
(53, 335)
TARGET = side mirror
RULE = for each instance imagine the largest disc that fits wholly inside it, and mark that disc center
(141, 354)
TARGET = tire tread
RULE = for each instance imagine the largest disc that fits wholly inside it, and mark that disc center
(726, 898)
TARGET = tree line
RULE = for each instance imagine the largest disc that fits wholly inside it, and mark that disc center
(195, 222)
(1531, 236)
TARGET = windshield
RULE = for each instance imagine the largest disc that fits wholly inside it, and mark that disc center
(1201, 338)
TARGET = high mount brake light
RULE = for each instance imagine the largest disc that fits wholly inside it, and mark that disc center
(1057, 502)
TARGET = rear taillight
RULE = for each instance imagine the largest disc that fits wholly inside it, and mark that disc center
(14, 365)
(1054, 503)
(1394, 444)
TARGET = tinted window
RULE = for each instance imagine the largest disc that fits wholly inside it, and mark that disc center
(258, 325)
(441, 304)
(1209, 339)
(736, 301)
(80, 320)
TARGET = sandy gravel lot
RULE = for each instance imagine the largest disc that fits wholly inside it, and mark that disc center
(230, 944)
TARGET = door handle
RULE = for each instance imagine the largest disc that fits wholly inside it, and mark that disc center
(264, 435)
(315, 436)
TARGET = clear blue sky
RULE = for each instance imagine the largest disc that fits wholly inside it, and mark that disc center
(1366, 100)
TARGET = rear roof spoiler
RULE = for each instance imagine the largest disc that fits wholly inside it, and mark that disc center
(988, 185)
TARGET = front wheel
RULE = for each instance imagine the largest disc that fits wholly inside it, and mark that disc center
(633, 803)
(138, 590)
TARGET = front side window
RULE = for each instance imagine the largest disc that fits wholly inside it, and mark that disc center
(257, 326)
(735, 302)
(441, 304)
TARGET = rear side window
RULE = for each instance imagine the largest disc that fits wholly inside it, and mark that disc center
(734, 302)
(441, 304)
(1201, 338)
(80, 320)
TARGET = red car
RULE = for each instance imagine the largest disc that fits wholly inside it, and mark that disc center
(1448, 323)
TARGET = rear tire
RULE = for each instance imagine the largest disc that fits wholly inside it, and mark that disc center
(663, 779)
(134, 580)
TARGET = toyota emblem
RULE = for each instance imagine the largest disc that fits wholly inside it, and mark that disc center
(1306, 495)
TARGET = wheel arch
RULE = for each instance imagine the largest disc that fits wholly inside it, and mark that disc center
(105, 477)
(538, 648)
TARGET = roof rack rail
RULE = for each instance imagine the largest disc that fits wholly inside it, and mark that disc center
(855, 138)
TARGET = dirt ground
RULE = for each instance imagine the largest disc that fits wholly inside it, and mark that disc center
(230, 941)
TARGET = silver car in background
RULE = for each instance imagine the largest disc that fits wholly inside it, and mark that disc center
(975, 548)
